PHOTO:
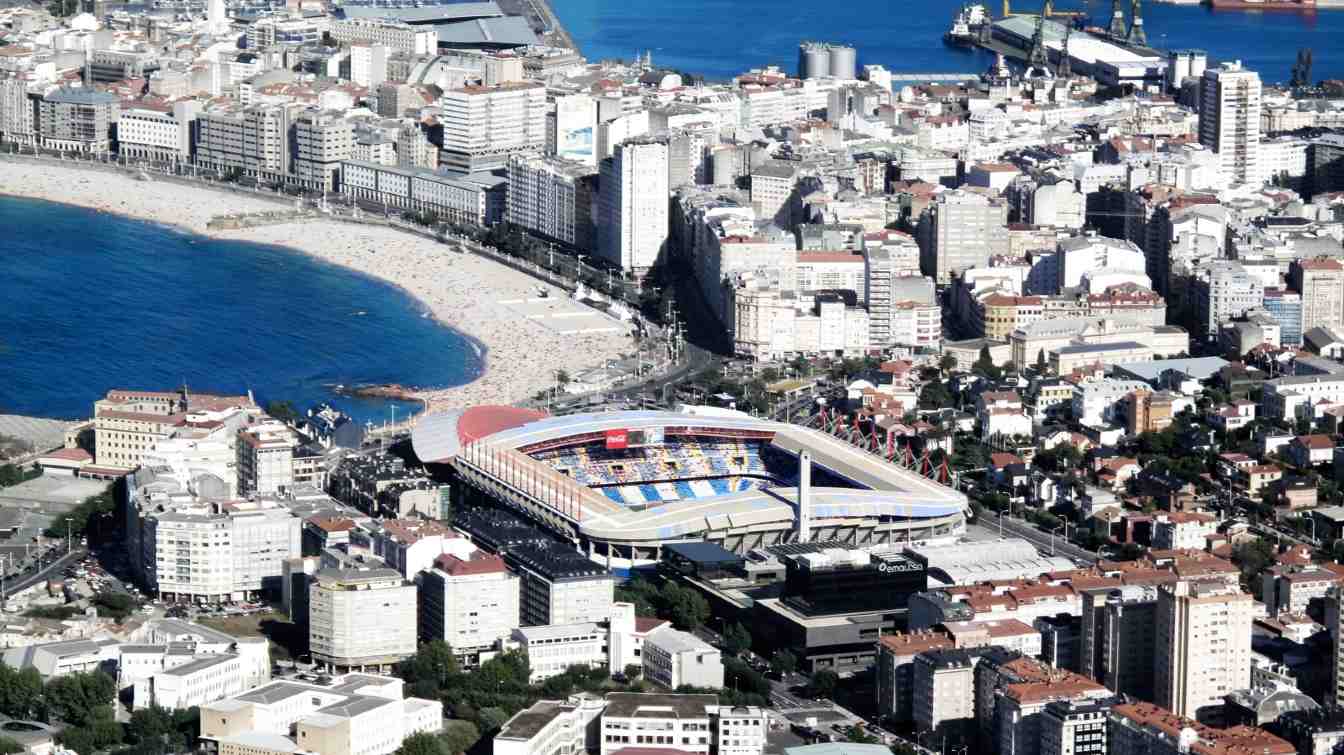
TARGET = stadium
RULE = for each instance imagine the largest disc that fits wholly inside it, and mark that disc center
(620, 485)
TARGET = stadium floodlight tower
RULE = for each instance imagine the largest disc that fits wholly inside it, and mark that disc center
(804, 497)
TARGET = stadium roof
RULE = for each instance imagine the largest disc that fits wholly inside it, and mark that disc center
(439, 437)
(506, 31)
(701, 552)
(427, 14)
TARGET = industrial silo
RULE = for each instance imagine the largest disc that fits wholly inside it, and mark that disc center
(843, 62)
(813, 61)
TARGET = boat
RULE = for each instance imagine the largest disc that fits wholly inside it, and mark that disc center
(965, 30)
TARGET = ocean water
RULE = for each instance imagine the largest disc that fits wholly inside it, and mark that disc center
(92, 301)
(722, 38)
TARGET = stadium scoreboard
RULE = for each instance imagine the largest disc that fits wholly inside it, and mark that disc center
(621, 439)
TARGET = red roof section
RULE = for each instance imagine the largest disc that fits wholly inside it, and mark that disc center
(483, 421)
(481, 564)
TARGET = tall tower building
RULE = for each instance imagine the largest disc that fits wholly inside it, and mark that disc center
(1333, 598)
(1229, 120)
(1203, 645)
(216, 19)
(633, 206)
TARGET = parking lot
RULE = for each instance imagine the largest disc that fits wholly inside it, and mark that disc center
(561, 314)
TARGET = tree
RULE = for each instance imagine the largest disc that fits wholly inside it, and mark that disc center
(1252, 558)
(736, 638)
(149, 725)
(934, 395)
(79, 698)
(492, 719)
(561, 378)
(633, 671)
(20, 692)
(10, 747)
(947, 363)
(92, 517)
(430, 668)
(114, 605)
(685, 607)
(1040, 360)
(10, 475)
(282, 410)
(641, 592)
(824, 682)
(783, 662)
(424, 743)
(459, 736)
(984, 365)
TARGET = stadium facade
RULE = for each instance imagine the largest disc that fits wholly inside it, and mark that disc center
(621, 485)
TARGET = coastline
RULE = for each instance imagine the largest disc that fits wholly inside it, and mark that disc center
(460, 291)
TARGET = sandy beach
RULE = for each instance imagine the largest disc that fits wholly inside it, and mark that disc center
(465, 292)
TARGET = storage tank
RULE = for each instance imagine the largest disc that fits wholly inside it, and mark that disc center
(814, 61)
(844, 62)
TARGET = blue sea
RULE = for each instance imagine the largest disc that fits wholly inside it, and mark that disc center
(722, 38)
(93, 301)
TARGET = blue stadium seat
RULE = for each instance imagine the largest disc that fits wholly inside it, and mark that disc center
(684, 490)
(650, 492)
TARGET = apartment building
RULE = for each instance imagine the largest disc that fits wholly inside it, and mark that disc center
(127, 424)
(252, 140)
(361, 618)
(18, 111)
(322, 141)
(470, 604)
(1019, 712)
(1142, 728)
(673, 658)
(961, 230)
(548, 727)
(266, 458)
(1320, 284)
(679, 722)
(560, 586)
(413, 545)
(1118, 639)
(164, 136)
(211, 552)
(77, 120)
(943, 688)
(1291, 589)
(1203, 645)
(484, 125)
(552, 198)
(768, 324)
(354, 714)
(633, 207)
(396, 35)
(478, 199)
(896, 655)
(1075, 727)
(1229, 121)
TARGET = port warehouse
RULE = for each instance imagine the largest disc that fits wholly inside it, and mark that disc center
(1109, 63)
(621, 485)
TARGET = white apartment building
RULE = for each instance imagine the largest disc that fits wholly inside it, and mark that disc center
(454, 198)
(680, 722)
(914, 324)
(266, 458)
(548, 727)
(553, 198)
(355, 714)
(1295, 396)
(204, 551)
(572, 129)
(200, 680)
(483, 125)
(770, 324)
(673, 658)
(146, 134)
(1222, 292)
(1229, 121)
(322, 141)
(1203, 645)
(396, 35)
(412, 545)
(361, 618)
(1090, 255)
(1321, 284)
(633, 212)
(469, 604)
(959, 231)
(740, 731)
(368, 64)
(942, 688)
(1095, 403)
(552, 649)
(1180, 530)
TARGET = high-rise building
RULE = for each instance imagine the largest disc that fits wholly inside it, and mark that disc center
(1229, 120)
(1334, 598)
(397, 35)
(1075, 727)
(468, 604)
(1320, 282)
(483, 125)
(216, 18)
(77, 120)
(633, 212)
(359, 618)
(253, 141)
(959, 231)
(266, 458)
(18, 116)
(322, 141)
(1203, 645)
(1325, 156)
(414, 149)
(1222, 292)
(553, 198)
(571, 128)
(1286, 308)
(368, 64)
(560, 586)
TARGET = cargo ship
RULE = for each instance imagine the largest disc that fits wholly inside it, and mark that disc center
(1291, 5)
(965, 31)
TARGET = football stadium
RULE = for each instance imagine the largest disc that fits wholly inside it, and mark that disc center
(620, 485)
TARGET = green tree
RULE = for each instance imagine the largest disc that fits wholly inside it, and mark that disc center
(431, 667)
(736, 638)
(1253, 557)
(823, 683)
(492, 718)
(10, 475)
(9, 746)
(947, 363)
(149, 725)
(114, 605)
(92, 517)
(685, 607)
(425, 743)
(460, 736)
(20, 692)
(984, 365)
(282, 410)
(79, 698)
(783, 662)
(934, 395)
(633, 671)
(1040, 361)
